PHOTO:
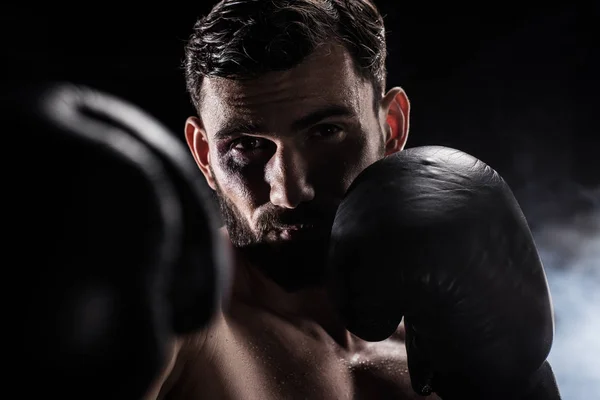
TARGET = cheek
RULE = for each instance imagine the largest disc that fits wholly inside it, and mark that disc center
(354, 157)
(243, 186)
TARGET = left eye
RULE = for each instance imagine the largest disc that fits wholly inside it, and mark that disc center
(326, 131)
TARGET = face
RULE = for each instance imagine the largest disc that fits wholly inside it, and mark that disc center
(281, 150)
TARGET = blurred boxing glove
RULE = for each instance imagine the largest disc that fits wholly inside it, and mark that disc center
(116, 243)
(436, 236)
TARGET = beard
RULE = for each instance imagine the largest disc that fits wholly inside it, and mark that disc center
(292, 264)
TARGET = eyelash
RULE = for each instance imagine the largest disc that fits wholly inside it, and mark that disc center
(236, 142)
(335, 127)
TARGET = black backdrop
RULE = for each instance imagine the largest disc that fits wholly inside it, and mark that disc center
(513, 84)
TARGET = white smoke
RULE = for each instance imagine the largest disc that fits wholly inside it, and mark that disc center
(570, 251)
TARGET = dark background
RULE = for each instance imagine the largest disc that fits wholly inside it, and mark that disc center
(513, 84)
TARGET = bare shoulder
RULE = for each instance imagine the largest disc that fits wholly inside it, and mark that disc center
(171, 356)
(179, 351)
(189, 351)
(381, 369)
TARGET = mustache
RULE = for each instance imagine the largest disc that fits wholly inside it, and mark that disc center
(304, 214)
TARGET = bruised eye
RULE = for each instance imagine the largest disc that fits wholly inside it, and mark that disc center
(247, 144)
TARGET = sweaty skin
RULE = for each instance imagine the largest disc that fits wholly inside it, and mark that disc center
(269, 342)
(253, 351)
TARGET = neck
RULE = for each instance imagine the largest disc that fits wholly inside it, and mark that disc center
(310, 305)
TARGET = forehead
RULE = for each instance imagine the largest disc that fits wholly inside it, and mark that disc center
(326, 77)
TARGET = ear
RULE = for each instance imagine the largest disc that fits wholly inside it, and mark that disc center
(196, 138)
(396, 108)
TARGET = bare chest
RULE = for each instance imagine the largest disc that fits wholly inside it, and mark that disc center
(269, 360)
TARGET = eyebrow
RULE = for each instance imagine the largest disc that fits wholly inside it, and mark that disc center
(320, 114)
(236, 127)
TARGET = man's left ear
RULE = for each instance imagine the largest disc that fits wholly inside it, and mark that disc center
(396, 107)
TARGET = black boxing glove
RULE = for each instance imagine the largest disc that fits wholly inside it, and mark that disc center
(435, 236)
(542, 385)
(116, 242)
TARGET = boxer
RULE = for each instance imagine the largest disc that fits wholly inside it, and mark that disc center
(338, 234)
(107, 287)
(291, 110)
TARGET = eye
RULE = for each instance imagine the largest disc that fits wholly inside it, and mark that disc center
(248, 143)
(326, 131)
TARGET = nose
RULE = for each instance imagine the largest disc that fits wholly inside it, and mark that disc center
(287, 174)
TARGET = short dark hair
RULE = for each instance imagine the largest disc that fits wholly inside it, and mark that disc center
(242, 39)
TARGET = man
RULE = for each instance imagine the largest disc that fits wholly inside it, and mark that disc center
(291, 108)
(127, 294)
